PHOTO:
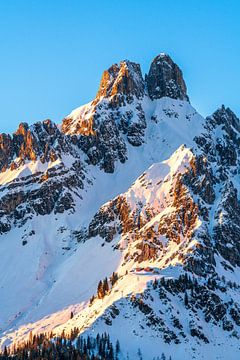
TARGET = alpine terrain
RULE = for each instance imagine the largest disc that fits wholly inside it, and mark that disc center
(123, 223)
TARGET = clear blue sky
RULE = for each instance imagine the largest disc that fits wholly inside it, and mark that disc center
(53, 52)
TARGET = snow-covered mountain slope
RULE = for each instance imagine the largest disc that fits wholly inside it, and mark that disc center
(138, 183)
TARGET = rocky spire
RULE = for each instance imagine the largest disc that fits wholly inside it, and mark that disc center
(225, 116)
(165, 79)
(121, 80)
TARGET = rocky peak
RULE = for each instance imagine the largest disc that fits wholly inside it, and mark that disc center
(226, 117)
(221, 141)
(45, 131)
(42, 140)
(123, 79)
(100, 126)
(22, 129)
(165, 79)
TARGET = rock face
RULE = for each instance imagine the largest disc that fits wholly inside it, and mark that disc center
(40, 194)
(45, 191)
(6, 150)
(42, 141)
(165, 79)
(227, 225)
(106, 146)
(100, 128)
(121, 83)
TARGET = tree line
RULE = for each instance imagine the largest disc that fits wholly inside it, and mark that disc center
(46, 346)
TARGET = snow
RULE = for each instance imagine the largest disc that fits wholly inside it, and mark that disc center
(29, 168)
(44, 282)
(84, 111)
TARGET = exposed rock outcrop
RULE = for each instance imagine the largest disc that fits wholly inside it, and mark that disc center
(165, 79)
(42, 141)
(121, 83)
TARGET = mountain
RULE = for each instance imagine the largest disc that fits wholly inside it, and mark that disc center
(124, 219)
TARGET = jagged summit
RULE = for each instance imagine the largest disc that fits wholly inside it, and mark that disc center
(165, 79)
(123, 79)
(224, 115)
(120, 107)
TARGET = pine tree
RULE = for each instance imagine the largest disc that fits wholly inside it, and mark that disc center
(114, 278)
(139, 354)
(88, 342)
(100, 291)
(5, 352)
(105, 286)
(30, 337)
(162, 281)
(186, 299)
(117, 347)
(155, 284)
(111, 353)
(91, 299)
